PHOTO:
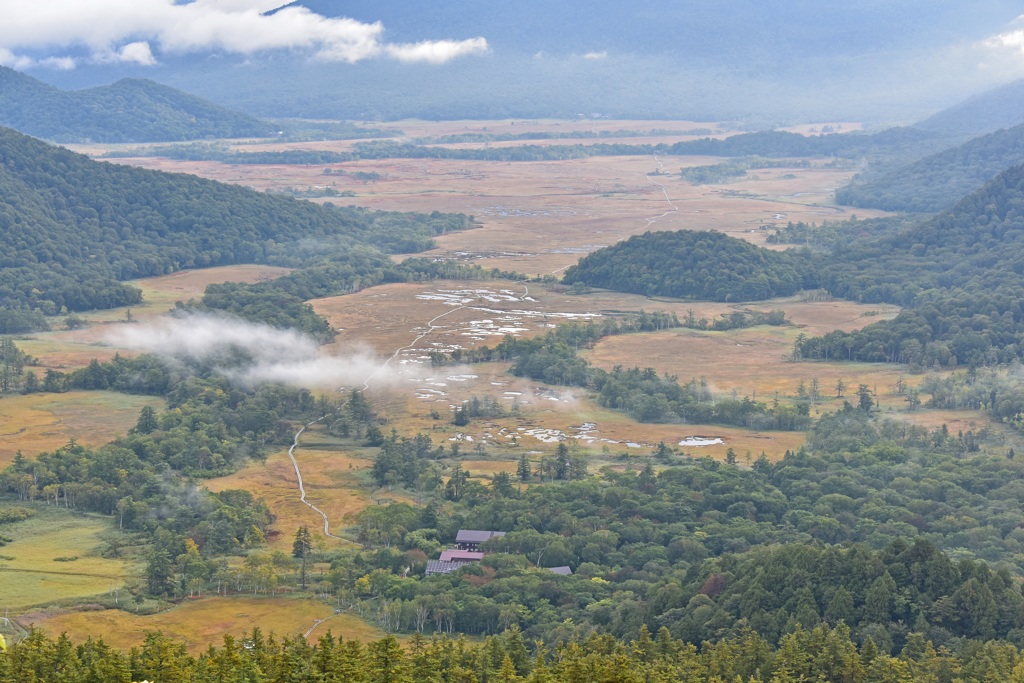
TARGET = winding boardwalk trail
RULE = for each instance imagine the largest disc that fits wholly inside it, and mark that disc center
(431, 327)
(302, 488)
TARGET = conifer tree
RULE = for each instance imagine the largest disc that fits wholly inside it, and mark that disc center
(301, 549)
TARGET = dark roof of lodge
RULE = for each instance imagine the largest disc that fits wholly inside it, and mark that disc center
(442, 567)
(563, 571)
(475, 536)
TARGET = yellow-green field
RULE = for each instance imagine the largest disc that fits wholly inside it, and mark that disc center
(329, 478)
(205, 621)
(35, 423)
(31, 575)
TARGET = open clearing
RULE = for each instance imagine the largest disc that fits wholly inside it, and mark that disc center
(31, 574)
(755, 361)
(330, 479)
(34, 423)
(202, 622)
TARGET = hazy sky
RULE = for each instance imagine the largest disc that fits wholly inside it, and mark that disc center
(890, 60)
(64, 33)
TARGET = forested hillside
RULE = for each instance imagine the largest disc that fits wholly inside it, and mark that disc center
(130, 110)
(693, 265)
(958, 274)
(72, 229)
(936, 182)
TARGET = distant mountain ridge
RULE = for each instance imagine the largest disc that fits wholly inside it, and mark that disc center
(130, 110)
(1002, 107)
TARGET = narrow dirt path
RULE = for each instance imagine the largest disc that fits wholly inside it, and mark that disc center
(651, 220)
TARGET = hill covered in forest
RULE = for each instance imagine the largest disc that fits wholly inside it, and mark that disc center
(72, 229)
(690, 264)
(130, 110)
(956, 274)
(937, 181)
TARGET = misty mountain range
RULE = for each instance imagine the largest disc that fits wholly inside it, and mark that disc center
(763, 62)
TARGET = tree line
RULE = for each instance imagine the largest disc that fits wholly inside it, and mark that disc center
(821, 653)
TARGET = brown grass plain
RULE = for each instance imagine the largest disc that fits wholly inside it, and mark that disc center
(42, 422)
(755, 361)
(329, 478)
(537, 218)
(540, 217)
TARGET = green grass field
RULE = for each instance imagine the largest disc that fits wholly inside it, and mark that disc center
(29, 572)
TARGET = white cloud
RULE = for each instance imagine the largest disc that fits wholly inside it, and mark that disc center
(437, 51)
(596, 55)
(9, 59)
(130, 30)
(269, 354)
(16, 61)
(1011, 40)
(138, 53)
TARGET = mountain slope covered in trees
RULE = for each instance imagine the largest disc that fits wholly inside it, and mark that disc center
(958, 274)
(936, 182)
(71, 229)
(130, 110)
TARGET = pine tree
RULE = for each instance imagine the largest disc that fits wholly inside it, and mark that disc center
(523, 469)
(301, 549)
(147, 422)
(387, 662)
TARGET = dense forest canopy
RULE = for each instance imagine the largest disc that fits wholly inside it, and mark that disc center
(693, 265)
(130, 110)
(819, 654)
